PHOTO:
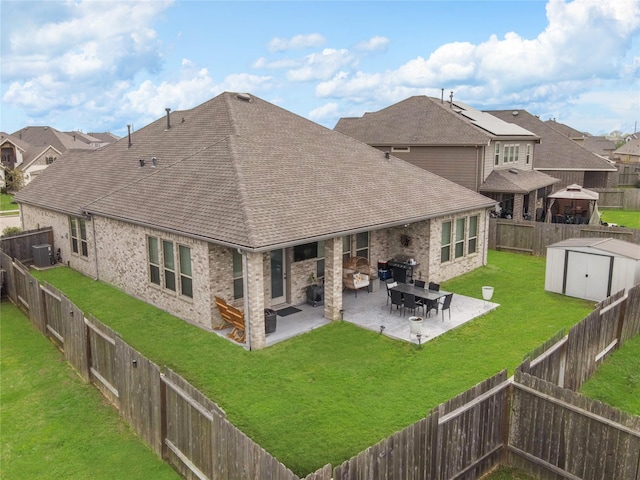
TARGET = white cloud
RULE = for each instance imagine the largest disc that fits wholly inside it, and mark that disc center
(48, 62)
(297, 42)
(324, 112)
(584, 44)
(374, 44)
(318, 66)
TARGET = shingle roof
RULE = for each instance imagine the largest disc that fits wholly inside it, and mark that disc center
(555, 151)
(246, 173)
(516, 181)
(418, 120)
(41, 137)
(566, 130)
(609, 245)
(632, 147)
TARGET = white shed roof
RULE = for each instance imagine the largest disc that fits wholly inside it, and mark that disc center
(607, 245)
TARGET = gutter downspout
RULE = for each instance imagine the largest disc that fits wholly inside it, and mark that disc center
(245, 289)
(95, 245)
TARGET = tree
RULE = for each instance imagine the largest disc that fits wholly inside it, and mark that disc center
(14, 179)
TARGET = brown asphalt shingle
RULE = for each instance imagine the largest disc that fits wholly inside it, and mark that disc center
(418, 120)
(247, 173)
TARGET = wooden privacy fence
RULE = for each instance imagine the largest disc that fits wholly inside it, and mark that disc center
(533, 237)
(529, 421)
(19, 245)
(627, 198)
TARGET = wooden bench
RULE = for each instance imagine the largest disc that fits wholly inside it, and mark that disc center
(233, 318)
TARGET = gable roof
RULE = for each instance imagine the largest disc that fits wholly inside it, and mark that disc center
(516, 181)
(555, 151)
(240, 171)
(608, 245)
(422, 120)
(632, 147)
(41, 137)
(5, 137)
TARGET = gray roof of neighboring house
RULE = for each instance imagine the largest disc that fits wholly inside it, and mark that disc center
(421, 120)
(566, 130)
(105, 137)
(15, 140)
(632, 147)
(516, 181)
(608, 245)
(42, 137)
(240, 171)
(599, 145)
(555, 151)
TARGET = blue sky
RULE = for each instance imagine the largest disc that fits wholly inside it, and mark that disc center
(100, 65)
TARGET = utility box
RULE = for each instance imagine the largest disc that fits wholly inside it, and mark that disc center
(42, 255)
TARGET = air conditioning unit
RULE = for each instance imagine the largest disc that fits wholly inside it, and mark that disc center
(42, 255)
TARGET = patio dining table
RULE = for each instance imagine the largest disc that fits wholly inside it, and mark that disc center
(431, 295)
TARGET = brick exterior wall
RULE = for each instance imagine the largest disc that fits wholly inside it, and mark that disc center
(123, 262)
(34, 218)
(121, 250)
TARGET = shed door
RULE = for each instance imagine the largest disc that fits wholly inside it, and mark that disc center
(587, 275)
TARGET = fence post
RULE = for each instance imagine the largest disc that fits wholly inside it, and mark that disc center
(163, 418)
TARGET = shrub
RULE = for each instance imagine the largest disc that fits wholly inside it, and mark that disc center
(8, 231)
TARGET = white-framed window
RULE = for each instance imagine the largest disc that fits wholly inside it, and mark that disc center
(460, 236)
(153, 255)
(496, 154)
(472, 243)
(346, 246)
(169, 266)
(445, 242)
(186, 278)
(362, 244)
(320, 262)
(528, 154)
(238, 282)
(457, 236)
(511, 153)
(401, 149)
(78, 229)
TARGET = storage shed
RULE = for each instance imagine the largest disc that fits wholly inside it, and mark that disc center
(592, 268)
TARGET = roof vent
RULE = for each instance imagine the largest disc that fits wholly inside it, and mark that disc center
(513, 170)
(244, 96)
(515, 113)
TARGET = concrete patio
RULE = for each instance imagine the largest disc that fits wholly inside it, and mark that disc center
(370, 311)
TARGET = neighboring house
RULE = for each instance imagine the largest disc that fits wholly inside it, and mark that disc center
(559, 156)
(599, 145)
(13, 151)
(241, 199)
(41, 146)
(462, 144)
(92, 141)
(630, 151)
(628, 161)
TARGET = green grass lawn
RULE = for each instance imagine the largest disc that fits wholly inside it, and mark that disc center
(617, 381)
(627, 218)
(54, 426)
(329, 394)
(5, 203)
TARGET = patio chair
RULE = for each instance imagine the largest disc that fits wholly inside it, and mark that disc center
(390, 285)
(411, 302)
(396, 299)
(419, 283)
(434, 286)
(446, 305)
